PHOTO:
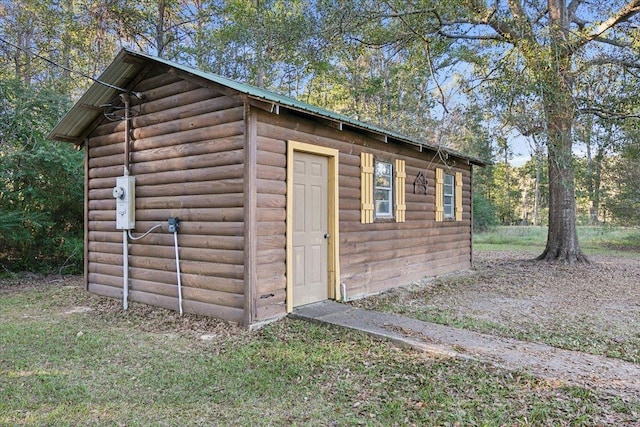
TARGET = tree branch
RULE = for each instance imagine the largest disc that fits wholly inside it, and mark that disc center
(612, 42)
(533, 130)
(612, 61)
(608, 115)
(571, 11)
(624, 14)
(429, 58)
(488, 17)
(517, 10)
(397, 14)
(496, 37)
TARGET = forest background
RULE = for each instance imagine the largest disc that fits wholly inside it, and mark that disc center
(376, 61)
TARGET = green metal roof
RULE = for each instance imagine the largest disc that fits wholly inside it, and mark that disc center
(121, 72)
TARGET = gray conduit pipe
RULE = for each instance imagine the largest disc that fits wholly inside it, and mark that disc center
(175, 239)
(125, 270)
(125, 235)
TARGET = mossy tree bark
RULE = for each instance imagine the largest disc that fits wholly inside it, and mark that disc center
(553, 72)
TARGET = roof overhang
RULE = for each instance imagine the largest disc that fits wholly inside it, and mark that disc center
(75, 125)
(78, 123)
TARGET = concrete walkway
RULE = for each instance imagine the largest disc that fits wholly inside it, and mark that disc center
(540, 360)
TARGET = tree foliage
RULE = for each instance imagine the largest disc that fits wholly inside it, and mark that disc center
(545, 50)
(471, 75)
(41, 197)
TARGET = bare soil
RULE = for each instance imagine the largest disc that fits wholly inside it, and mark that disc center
(592, 309)
(511, 292)
(601, 299)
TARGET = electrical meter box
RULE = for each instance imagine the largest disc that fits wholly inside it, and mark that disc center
(125, 194)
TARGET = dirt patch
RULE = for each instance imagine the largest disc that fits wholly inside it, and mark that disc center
(159, 320)
(509, 288)
(522, 314)
(512, 290)
(29, 281)
(622, 248)
(592, 308)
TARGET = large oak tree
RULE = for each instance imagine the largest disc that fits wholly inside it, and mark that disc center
(553, 44)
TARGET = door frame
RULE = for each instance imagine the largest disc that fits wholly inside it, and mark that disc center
(333, 250)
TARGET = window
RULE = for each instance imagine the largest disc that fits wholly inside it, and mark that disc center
(383, 189)
(448, 196)
(449, 186)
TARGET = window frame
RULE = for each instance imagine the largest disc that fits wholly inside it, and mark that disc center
(449, 209)
(389, 190)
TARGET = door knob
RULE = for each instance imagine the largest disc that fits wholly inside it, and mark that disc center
(326, 235)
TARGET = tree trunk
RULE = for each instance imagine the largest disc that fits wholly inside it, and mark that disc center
(597, 180)
(562, 238)
(161, 30)
(556, 83)
(261, 36)
(66, 43)
(536, 200)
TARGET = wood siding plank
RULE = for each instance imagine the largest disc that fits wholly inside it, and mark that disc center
(187, 155)
(380, 254)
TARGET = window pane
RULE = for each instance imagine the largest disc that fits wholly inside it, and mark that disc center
(383, 181)
(383, 190)
(383, 168)
(382, 194)
(448, 180)
(383, 208)
(448, 211)
(383, 175)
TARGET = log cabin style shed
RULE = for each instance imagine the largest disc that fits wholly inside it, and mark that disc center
(280, 203)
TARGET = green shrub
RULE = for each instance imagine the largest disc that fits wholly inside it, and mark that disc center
(41, 184)
(484, 213)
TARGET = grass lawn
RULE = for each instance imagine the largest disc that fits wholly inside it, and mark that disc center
(70, 359)
(593, 240)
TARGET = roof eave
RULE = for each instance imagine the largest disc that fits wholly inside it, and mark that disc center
(76, 124)
(73, 125)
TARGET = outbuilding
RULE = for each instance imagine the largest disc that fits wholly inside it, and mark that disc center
(214, 197)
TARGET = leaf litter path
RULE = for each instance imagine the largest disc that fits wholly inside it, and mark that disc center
(543, 361)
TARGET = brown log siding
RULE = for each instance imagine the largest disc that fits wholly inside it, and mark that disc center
(187, 157)
(188, 154)
(272, 203)
(378, 256)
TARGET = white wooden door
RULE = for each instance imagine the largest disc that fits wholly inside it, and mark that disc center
(310, 182)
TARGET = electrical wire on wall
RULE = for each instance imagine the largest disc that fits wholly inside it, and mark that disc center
(115, 113)
(173, 227)
(155, 227)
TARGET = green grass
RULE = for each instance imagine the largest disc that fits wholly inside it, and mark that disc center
(593, 240)
(62, 367)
